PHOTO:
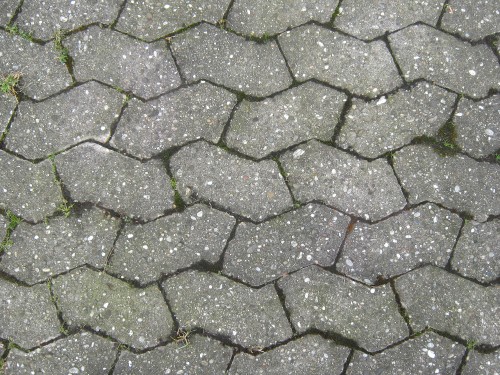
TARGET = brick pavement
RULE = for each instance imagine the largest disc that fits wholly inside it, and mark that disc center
(250, 187)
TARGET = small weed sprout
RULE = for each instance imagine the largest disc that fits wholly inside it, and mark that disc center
(182, 337)
(15, 30)
(9, 84)
(62, 52)
(65, 208)
(14, 221)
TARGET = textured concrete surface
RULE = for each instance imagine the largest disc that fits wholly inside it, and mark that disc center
(249, 187)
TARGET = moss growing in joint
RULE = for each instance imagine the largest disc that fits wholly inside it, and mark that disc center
(178, 202)
(62, 52)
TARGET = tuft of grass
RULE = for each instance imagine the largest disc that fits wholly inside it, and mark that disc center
(15, 30)
(14, 221)
(471, 344)
(65, 208)
(62, 52)
(9, 83)
(178, 202)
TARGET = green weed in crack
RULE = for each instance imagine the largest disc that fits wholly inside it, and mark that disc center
(9, 84)
(65, 207)
(14, 221)
(62, 52)
(15, 30)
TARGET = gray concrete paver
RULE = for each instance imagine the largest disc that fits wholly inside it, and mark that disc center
(478, 363)
(249, 317)
(39, 252)
(277, 258)
(310, 235)
(144, 252)
(201, 356)
(255, 190)
(438, 299)
(44, 20)
(80, 353)
(262, 17)
(27, 315)
(478, 126)
(42, 74)
(319, 299)
(110, 57)
(472, 19)
(425, 234)
(198, 111)
(424, 52)
(206, 52)
(382, 125)
(7, 106)
(458, 182)
(151, 20)
(8, 10)
(363, 68)
(299, 114)
(476, 254)
(84, 113)
(369, 19)
(311, 354)
(3, 227)
(426, 354)
(316, 171)
(92, 173)
(28, 190)
(136, 317)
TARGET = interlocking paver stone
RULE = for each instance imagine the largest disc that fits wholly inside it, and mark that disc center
(246, 316)
(150, 20)
(478, 363)
(206, 52)
(425, 234)
(108, 56)
(84, 113)
(311, 354)
(136, 317)
(424, 52)
(299, 114)
(27, 315)
(42, 73)
(199, 111)
(368, 19)
(203, 355)
(373, 128)
(271, 17)
(7, 106)
(46, 18)
(263, 252)
(457, 182)
(320, 172)
(83, 353)
(28, 190)
(8, 9)
(476, 254)
(363, 68)
(478, 126)
(145, 252)
(426, 354)
(319, 299)
(252, 189)
(472, 19)
(96, 174)
(3, 227)
(44, 250)
(446, 302)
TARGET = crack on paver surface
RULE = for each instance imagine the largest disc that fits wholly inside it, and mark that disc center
(204, 299)
(253, 190)
(331, 303)
(316, 52)
(446, 302)
(137, 317)
(230, 60)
